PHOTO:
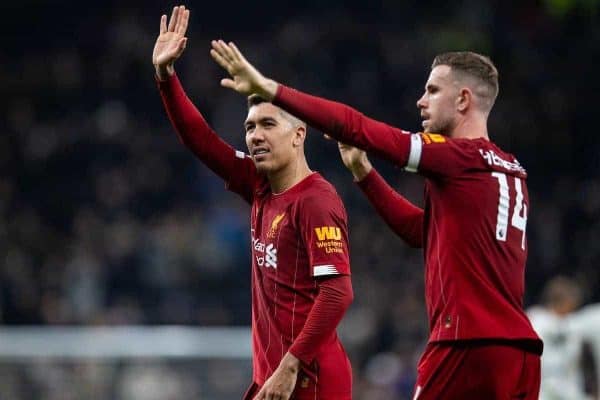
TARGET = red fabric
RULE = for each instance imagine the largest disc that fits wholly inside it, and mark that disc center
(346, 124)
(286, 251)
(194, 132)
(478, 372)
(298, 237)
(474, 281)
(405, 219)
(335, 296)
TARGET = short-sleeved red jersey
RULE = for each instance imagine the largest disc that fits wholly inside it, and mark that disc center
(474, 221)
(297, 236)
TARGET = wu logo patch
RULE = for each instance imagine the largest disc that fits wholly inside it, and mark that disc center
(328, 233)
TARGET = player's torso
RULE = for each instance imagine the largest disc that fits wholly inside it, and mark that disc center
(279, 259)
(296, 238)
(476, 249)
(283, 291)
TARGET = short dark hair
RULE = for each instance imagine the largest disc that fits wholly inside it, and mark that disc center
(255, 99)
(476, 66)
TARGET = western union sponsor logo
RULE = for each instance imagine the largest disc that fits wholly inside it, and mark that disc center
(328, 233)
(321, 244)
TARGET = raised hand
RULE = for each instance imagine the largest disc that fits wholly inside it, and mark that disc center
(245, 79)
(171, 41)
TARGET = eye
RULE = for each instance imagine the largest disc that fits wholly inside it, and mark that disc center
(249, 128)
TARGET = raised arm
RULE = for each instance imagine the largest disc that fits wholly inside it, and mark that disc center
(191, 127)
(403, 217)
(340, 121)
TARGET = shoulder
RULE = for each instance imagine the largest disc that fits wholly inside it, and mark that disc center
(319, 194)
(500, 160)
(319, 188)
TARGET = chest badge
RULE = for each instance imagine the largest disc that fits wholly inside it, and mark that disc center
(275, 225)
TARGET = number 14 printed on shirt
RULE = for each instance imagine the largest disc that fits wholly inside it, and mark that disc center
(518, 221)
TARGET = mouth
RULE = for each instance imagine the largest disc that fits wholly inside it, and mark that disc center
(259, 153)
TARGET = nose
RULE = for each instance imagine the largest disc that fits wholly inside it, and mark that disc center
(256, 136)
(421, 102)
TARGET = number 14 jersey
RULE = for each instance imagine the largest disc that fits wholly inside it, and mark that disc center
(475, 218)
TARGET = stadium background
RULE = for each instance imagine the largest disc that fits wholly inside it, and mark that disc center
(106, 219)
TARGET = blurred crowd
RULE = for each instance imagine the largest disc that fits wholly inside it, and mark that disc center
(105, 218)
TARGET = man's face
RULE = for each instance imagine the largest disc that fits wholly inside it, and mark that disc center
(270, 138)
(438, 103)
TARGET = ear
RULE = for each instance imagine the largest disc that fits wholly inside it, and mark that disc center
(464, 99)
(299, 136)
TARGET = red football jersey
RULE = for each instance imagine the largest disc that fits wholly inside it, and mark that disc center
(474, 220)
(297, 236)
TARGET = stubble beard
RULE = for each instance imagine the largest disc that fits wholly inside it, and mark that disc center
(442, 127)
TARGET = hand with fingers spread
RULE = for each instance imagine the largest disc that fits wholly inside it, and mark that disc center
(245, 79)
(281, 384)
(171, 42)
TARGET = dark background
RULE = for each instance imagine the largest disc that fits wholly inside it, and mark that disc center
(105, 218)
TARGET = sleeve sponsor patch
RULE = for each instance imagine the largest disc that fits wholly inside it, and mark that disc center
(329, 239)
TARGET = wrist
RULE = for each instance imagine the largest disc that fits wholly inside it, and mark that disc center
(290, 362)
(361, 170)
(268, 89)
(163, 72)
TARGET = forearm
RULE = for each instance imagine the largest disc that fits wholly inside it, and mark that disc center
(334, 298)
(403, 217)
(346, 124)
(192, 129)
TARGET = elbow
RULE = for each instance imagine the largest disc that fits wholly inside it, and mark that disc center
(349, 297)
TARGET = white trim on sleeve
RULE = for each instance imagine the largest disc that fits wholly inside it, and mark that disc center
(414, 157)
(329, 269)
(240, 154)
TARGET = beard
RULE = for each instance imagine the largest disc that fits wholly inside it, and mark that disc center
(262, 167)
(442, 126)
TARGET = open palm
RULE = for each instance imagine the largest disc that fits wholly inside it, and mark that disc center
(171, 40)
(245, 79)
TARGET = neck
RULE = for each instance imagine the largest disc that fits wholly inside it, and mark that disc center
(471, 127)
(287, 177)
